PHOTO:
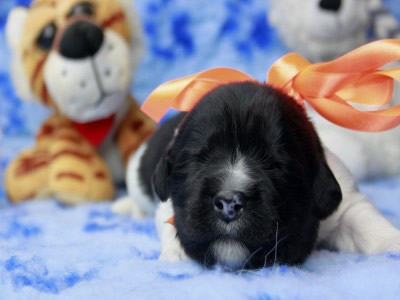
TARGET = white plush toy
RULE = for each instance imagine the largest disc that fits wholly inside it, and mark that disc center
(322, 30)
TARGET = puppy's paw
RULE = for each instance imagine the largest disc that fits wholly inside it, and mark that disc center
(127, 206)
(122, 206)
(173, 252)
(171, 248)
(390, 245)
(137, 213)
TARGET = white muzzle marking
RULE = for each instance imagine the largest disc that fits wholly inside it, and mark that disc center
(230, 253)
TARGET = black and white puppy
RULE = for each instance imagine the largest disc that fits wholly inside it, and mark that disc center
(249, 184)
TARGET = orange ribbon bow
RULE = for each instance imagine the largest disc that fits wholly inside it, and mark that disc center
(327, 87)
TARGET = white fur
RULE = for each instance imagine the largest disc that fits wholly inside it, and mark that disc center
(366, 155)
(135, 189)
(356, 226)
(92, 88)
(171, 249)
(235, 176)
(230, 253)
(141, 204)
(125, 206)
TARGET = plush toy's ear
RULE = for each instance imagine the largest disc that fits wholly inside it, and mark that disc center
(160, 178)
(327, 192)
(273, 12)
(14, 32)
(14, 27)
(137, 45)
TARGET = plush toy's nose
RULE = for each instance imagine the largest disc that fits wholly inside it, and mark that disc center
(332, 5)
(229, 206)
(81, 39)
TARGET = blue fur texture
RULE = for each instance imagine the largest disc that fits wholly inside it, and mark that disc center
(49, 251)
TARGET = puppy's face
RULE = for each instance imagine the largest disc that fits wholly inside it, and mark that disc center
(248, 179)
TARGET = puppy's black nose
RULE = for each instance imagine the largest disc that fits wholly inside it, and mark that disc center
(229, 205)
(81, 39)
(332, 5)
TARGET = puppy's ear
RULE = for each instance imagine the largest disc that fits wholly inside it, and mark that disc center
(327, 192)
(160, 178)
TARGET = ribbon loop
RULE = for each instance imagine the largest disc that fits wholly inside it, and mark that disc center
(330, 88)
(183, 94)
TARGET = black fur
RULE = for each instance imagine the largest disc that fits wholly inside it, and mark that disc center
(292, 185)
(156, 147)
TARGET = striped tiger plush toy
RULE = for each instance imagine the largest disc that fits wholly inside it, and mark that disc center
(76, 57)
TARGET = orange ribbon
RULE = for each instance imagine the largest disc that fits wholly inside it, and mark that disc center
(327, 87)
(171, 221)
(184, 93)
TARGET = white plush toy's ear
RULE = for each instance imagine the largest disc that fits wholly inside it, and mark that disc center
(14, 30)
(273, 12)
(136, 31)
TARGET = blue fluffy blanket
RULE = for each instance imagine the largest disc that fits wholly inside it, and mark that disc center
(49, 251)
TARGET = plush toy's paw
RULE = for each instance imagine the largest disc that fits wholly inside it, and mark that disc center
(127, 206)
(27, 176)
(77, 174)
(61, 164)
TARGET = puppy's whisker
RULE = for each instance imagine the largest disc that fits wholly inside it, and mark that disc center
(276, 241)
(266, 256)
(248, 259)
(276, 245)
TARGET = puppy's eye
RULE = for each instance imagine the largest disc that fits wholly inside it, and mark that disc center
(84, 8)
(46, 37)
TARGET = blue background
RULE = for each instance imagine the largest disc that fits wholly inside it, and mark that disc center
(47, 250)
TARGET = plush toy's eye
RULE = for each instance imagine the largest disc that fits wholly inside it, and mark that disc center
(84, 8)
(46, 37)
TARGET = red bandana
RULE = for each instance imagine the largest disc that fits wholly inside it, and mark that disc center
(96, 131)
